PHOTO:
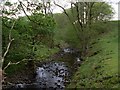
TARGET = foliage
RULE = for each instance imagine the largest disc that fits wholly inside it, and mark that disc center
(64, 32)
(23, 32)
(87, 15)
(35, 36)
(102, 11)
(29, 31)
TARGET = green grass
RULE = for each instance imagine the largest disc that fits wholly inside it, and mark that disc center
(44, 52)
(100, 70)
(65, 32)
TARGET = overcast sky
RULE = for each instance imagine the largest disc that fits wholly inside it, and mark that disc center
(113, 3)
(65, 3)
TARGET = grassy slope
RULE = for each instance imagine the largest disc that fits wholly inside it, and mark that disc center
(100, 70)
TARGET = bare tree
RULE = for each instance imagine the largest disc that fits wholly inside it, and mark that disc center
(7, 49)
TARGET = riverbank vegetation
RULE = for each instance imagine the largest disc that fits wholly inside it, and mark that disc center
(100, 69)
(35, 38)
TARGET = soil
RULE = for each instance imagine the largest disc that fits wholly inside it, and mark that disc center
(22, 76)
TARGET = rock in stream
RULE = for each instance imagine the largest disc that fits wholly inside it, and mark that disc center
(48, 75)
(52, 74)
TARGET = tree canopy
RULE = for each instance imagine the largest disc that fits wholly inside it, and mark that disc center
(25, 32)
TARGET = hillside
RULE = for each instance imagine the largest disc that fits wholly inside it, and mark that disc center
(100, 69)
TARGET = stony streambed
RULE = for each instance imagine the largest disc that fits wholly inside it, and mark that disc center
(53, 74)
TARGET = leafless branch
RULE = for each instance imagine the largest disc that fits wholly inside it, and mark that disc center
(9, 44)
(21, 4)
(62, 8)
(24, 11)
(80, 23)
(11, 63)
(68, 18)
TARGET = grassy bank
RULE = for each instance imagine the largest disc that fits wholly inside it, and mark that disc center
(100, 69)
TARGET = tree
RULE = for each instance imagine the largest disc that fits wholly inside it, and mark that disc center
(82, 15)
(27, 32)
(10, 38)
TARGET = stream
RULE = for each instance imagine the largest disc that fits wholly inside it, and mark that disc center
(53, 74)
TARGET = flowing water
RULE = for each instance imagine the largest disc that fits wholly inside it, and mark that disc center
(53, 74)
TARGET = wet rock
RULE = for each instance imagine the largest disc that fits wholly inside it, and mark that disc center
(20, 86)
(53, 75)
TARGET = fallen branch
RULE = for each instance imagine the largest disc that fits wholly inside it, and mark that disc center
(11, 63)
